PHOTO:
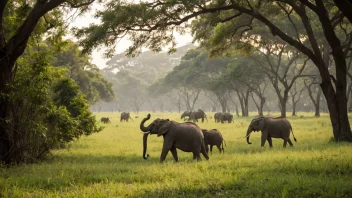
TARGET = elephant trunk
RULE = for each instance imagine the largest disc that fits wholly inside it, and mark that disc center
(145, 138)
(248, 134)
(143, 128)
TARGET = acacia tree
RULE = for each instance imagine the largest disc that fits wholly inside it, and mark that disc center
(279, 63)
(247, 77)
(219, 29)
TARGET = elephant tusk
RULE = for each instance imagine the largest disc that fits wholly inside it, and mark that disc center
(247, 135)
(145, 132)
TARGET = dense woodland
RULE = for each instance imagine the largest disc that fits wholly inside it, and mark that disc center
(261, 55)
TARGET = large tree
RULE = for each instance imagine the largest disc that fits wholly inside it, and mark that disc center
(312, 22)
(21, 21)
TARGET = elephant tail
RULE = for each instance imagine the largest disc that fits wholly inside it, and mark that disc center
(222, 145)
(293, 134)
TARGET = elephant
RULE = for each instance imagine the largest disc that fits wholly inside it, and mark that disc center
(197, 114)
(226, 117)
(187, 137)
(217, 116)
(271, 128)
(213, 137)
(125, 116)
(185, 114)
(105, 120)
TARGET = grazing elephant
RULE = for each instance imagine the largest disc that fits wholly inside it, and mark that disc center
(186, 136)
(217, 116)
(185, 114)
(213, 137)
(105, 120)
(125, 116)
(271, 128)
(197, 114)
(226, 117)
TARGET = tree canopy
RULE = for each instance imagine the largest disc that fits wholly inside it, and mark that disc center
(310, 27)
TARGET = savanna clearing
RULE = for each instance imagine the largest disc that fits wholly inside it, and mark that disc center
(110, 164)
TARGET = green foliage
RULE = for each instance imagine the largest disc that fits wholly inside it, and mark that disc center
(85, 74)
(46, 109)
(110, 164)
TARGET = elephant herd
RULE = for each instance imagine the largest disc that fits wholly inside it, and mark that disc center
(199, 114)
(189, 137)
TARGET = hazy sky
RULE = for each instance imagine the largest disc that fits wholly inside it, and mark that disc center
(97, 55)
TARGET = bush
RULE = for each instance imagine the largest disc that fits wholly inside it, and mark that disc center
(46, 110)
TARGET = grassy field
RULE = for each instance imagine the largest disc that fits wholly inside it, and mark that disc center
(110, 164)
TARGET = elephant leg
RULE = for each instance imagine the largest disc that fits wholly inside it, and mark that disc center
(203, 151)
(218, 146)
(196, 155)
(264, 137)
(285, 143)
(270, 142)
(206, 148)
(166, 147)
(211, 149)
(289, 142)
(174, 153)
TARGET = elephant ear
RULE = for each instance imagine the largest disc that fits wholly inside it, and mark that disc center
(263, 123)
(164, 128)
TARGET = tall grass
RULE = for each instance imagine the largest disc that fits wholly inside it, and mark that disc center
(110, 164)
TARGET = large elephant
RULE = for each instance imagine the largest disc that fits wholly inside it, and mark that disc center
(186, 136)
(197, 114)
(125, 116)
(271, 128)
(217, 116)
(213, 137)
(226, 117)
(185, 114)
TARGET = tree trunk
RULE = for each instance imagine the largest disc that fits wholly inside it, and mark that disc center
(317, 104)
(336, 101)
(294, 109)
(283, 101)
(223, 106)
(261, 109)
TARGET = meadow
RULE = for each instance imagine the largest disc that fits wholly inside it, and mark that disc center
(110, 164)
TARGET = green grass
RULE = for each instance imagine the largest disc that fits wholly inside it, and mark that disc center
(110, 164)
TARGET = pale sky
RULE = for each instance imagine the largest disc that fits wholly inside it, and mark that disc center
(97, 55)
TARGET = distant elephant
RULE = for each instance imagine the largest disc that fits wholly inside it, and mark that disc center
(226, 117)
(125, 116)
(197, 114)
(185, 114)
(105, 120)
(271, 128)
(186, 136)
(217, 116)
(213, 137)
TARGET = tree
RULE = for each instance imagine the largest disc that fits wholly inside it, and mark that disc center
(132, 90)
(20, 22)
(314, 93)
(161, 18)
(246, 77)
(86, 74)
(295, 94)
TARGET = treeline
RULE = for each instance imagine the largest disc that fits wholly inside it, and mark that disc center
(235, 83)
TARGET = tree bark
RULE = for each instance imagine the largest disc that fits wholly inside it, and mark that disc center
(317, 104)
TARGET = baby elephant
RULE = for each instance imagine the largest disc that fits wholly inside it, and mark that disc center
(213, 137)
